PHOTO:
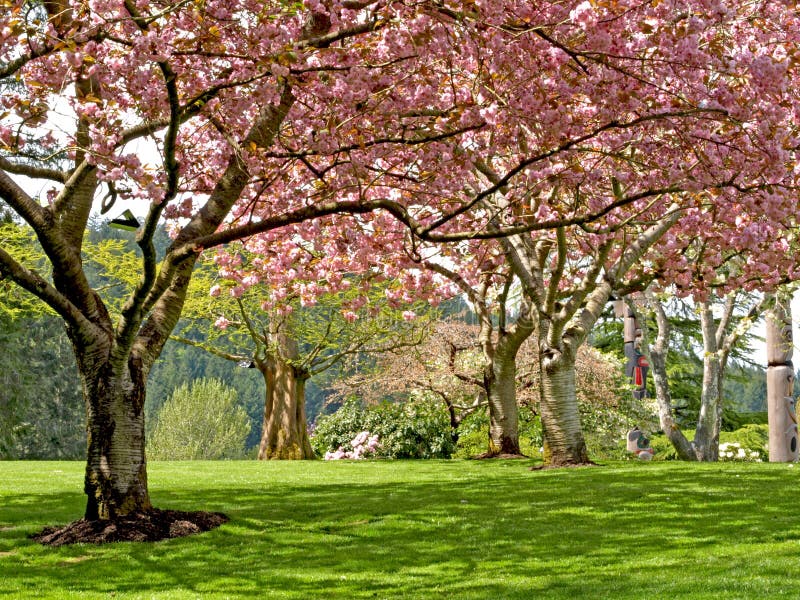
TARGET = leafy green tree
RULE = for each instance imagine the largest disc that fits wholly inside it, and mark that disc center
(41, 406)
(180, 364)
(200, 421)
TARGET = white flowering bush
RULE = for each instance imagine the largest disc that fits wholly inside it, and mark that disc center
(364, 445)
(733, 451)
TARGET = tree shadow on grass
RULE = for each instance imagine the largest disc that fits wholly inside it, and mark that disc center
(554, 534)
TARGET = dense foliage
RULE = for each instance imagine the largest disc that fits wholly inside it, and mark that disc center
(752, 439)
(182, 365)
(199, 422)
(41, 406)
(417, 429)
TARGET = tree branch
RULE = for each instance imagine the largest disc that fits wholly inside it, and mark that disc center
(25, 206)
(32, 171)
(39, 287)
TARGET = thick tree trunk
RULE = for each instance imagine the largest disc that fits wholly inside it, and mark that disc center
(116, 472)
(284, 435)
(561, 422)
(500, 382)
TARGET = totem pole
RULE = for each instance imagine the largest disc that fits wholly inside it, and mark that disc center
(637, 366)
(780, 382)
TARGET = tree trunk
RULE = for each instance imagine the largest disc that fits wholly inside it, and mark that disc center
(561, 422)
(709, 421)
(284, 435)
(658, 364)
(116, 472)
(500, 382)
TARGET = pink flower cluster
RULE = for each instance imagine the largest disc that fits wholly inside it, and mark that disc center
(364, 446)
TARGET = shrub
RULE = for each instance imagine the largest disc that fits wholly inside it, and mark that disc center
(733, 451)
(662, 447)
(419, 428)
(201, 422)
(473, 438)
(751, 439)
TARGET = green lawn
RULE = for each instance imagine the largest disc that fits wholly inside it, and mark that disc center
(422, 529)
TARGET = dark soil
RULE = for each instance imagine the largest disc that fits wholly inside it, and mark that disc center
(151, 526)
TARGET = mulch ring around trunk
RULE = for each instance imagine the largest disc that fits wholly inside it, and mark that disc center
(150, 526)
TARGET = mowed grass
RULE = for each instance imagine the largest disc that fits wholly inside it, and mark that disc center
(422, 529)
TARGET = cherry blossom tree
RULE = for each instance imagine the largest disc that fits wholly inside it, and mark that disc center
(276, 123)
(503, 328)
(291, 343)
(232, 96)
(709, 168)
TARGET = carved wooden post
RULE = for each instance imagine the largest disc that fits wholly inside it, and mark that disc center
(637, 366)
(780, 382)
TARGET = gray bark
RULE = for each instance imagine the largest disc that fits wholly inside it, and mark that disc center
(501, 389)
(564, 440)
(709, 421)
(116, 471)
(658, 364)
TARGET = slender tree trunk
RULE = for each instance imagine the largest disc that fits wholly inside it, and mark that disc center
(658, 365)
(284, 435)
(561, 422)
(116, 471)
(500, 382)
(706, 438)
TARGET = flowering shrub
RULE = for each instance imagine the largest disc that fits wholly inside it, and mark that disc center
(417, 428)
(748, 443)
(733, 451)
(364, 445)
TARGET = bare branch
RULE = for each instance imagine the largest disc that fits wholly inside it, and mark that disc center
(32, 171)
(210, 348)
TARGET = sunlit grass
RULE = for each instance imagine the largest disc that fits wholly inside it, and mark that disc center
(421, 529)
